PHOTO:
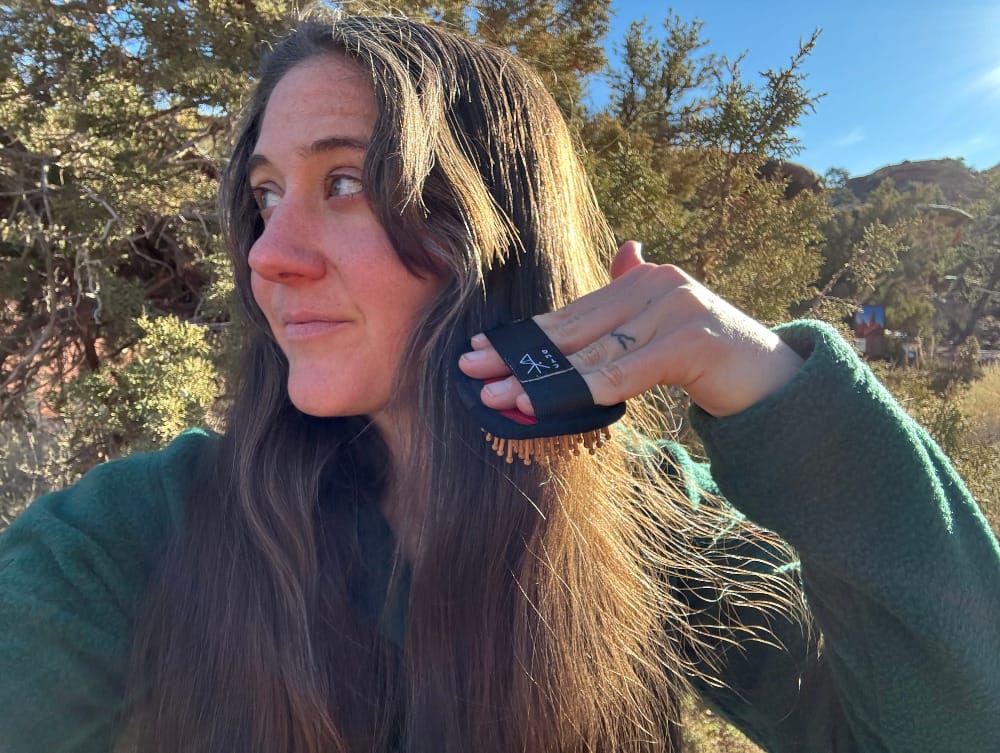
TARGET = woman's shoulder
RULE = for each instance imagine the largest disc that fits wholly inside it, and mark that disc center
(162, 477)
(133, 503)
(73, 568)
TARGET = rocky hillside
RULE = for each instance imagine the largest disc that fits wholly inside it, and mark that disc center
(959, 183)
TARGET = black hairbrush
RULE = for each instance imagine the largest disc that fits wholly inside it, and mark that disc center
(566, 418)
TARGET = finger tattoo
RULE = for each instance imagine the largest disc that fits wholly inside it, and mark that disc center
(623, 339)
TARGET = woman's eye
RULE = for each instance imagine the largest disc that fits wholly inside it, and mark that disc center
(345, 185)
(265, 198)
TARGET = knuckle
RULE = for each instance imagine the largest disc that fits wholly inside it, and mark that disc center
(593, 354)
(692, 295)
(670, 274)
(665, 283)
(566, 327)
(696, 337)
(614, 375)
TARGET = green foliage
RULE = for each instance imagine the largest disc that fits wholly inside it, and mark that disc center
(865, 261)
(973, 279)
(935, 268)
(560, 38)
(145, 395)
(676, 161)
(114, 122)
(140, 399)
(887, 250)
(750, 119)
(660, 88)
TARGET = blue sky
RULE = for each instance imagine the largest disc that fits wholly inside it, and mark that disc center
(903, 80)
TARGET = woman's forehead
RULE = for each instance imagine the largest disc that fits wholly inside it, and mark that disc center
(320, 98)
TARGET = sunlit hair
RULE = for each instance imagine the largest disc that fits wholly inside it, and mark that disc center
(558, 607)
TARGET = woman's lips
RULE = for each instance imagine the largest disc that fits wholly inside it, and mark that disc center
(305, 328)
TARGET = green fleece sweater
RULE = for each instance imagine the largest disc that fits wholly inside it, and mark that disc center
(898, 564)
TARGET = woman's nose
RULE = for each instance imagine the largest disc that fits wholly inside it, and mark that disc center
(287, 250)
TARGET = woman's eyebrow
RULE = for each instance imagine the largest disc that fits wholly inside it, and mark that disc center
(328, 144)
(336, 142)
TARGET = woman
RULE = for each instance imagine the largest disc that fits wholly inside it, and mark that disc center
(351, 568)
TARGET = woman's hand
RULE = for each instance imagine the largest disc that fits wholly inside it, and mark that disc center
(652, 325)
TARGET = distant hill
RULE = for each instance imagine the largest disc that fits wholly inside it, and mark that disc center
(959, 184)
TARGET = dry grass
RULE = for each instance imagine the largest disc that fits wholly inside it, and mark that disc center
(981, 404)
(979, 461)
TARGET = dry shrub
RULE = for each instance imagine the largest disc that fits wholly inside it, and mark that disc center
(32, 462)
(981, 404)
(979, 458)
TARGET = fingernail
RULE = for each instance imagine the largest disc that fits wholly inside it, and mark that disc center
(473, 356)
(498, 389)
(479, 341)
(638, 251)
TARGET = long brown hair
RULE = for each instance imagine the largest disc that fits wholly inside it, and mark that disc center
(542, 610)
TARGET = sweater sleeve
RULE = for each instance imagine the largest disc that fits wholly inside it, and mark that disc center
(73, 568)
(899, 568)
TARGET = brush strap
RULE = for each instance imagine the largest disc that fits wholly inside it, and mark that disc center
(558, 392)
(554, 385)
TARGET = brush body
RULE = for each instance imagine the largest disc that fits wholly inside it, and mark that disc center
(566, 420)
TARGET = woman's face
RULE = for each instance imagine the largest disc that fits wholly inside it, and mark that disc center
(338, 299)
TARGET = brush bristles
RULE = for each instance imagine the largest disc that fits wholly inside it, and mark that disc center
(543, 449)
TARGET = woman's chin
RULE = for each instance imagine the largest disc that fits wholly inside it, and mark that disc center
(327, 403)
